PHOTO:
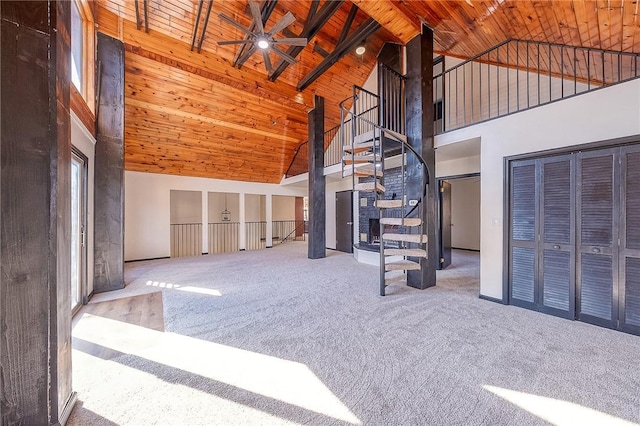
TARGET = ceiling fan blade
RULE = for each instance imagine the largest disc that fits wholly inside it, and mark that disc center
(267, 61)
(283, 23)
(226, 42)
(284, 55)
(235, 24)
(291, 41)
(257, 16)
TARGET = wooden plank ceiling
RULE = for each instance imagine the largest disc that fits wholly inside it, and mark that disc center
(194, 114)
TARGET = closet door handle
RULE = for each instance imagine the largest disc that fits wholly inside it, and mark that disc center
(596, 250)
(556, 247)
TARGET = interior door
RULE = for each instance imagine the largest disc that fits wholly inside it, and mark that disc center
(597, 271)
(523, 264)
(344, 221)
(445, 225)
(556, 249)
(629, 289)
(78, 230)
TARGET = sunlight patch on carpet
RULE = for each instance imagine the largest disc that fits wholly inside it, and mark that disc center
(557, 411)
(187, 288)
(275, 378)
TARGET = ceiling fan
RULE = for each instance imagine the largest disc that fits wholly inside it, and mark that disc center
(264, 40)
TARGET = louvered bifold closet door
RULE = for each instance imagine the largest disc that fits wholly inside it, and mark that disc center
(523, 260)
(557, 250)
(597, 267)
(629, 288)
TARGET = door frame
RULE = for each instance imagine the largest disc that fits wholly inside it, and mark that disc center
(439, 207)
(83, 295)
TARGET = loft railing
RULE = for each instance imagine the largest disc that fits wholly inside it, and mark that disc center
(332, 154)
(223, 237)
(256, 235)
(391, 87)
(186, 239)
(517, 75)
(288, 230)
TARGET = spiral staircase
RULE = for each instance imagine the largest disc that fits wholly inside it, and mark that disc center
(372, 132)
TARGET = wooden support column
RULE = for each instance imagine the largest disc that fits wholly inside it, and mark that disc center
(317, 186)
(109, 167)
(35, 218)
(420, 131)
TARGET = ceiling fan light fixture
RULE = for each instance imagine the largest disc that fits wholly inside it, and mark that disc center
(262, 43)
(361, 49)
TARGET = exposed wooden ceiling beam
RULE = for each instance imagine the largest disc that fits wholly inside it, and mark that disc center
(363, 31)
(195, 25)
(311, 28)
(392, 18)
(135, 3)
(347, 24)
(204, 27)
(267, 9)
(145, 4)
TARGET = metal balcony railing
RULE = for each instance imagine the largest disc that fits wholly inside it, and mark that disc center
(517, 75)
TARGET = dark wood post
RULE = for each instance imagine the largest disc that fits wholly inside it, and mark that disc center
(317, 187)
(420, 131)
(35, 218)
(109, 167)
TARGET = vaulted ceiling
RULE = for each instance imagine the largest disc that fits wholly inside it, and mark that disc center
(196, 114)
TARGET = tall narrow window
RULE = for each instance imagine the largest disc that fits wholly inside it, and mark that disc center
(77, 41)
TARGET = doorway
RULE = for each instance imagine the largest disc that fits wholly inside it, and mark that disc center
(458, 226)
(78, 230)
(344, 221)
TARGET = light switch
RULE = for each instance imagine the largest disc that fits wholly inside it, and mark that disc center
(363, 202)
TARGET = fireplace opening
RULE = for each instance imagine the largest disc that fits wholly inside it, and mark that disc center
(374, 231)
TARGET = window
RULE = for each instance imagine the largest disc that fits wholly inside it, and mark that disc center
(82, 51)
(77, 46)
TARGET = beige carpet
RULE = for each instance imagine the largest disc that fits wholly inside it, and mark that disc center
(270, 337)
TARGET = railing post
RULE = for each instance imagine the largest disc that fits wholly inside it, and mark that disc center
(204, 221)
(242, 239)
(269, 220)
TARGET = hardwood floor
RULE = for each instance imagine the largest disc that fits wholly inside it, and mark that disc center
(144, 310)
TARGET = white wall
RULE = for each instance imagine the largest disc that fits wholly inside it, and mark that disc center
(216, 201)
(458, 166)
(186, 207)
(284, 208)
(148, 207)
(254, 209)
(599, 115)
(86, 143)
(465, 213)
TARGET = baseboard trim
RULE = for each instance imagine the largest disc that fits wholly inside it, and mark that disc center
(269, 247)
(205, 254)
(144, 260)
(242, 250)
(68, 408)
(492, 299)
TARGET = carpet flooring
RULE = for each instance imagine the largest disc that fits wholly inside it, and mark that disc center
(271, 337)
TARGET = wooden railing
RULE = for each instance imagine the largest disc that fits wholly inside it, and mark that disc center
(186, 239)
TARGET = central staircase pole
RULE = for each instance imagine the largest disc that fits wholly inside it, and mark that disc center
(317, 187)
(420, 131)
